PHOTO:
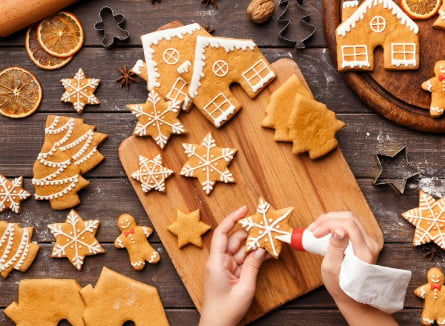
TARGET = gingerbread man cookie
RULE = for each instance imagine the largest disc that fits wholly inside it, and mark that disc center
(434, 295)
(436, 86)
(134, 239)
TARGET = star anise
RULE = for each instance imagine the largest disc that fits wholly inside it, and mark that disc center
(209, 29)
(432, 250)
(127, 77)
(207, 2)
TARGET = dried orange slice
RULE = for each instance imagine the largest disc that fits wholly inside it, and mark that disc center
(60, 35)
(39, 56)
(420, 9)
(20, 92)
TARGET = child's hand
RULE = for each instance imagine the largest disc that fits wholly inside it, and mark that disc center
(230, 275)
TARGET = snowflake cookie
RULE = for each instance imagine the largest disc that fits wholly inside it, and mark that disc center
(152, 174)
(75, 239)
(134, 239)
(157, 118)
(16, 249)
(208, 163)
(264, 226)
(189, 228)
(11, 194)
(80, 91)
(429, 220)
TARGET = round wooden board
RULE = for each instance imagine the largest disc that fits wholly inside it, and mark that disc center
(396, 95)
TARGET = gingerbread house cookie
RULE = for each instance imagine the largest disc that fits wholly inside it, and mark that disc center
(376, 23)
(169, 56)
(220, 62)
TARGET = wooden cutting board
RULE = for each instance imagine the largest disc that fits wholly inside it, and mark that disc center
(262, 168)
(397, 95)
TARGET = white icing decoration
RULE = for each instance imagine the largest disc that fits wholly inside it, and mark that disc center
(360, 50)
(219, 109)
(360, 13)
(220, 68)
(177, 93)
(138, 66)
(148, 40)
(151, 173)
(74, 87)
(18, 257)
(184, 68)
(407, 50)
(153, 257)
(350, 4)
(267, 227)
(259, 72)
(139, 263)
(171, 56)
(208, 163)
(377, 24)
(11, 193)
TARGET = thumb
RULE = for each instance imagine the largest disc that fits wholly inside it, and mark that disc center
(336, 251)
(250, 268)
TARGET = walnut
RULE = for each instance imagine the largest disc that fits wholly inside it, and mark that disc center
(260, 11)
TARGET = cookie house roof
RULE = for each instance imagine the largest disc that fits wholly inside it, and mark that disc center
(359, 14)
(202, 43)
(153, 39)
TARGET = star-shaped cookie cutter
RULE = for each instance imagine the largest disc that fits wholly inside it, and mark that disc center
(395, 170)
(298, 44)
(111, 26)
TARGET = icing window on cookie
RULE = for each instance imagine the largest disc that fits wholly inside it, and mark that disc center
(403, 54)
(219, 109)
(258, 75)
(378, 24)
(170, 56)
(220, 68)
(354, 56)
(177, 92)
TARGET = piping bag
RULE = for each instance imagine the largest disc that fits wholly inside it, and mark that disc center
(381, 287)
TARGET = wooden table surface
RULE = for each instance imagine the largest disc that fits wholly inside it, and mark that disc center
(110, 193)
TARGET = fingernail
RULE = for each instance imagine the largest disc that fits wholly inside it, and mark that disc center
(310, 226)
(259, 253)
(339, 234)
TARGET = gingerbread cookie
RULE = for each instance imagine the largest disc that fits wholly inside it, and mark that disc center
(16, 249)
(157, 118)
(134, 239)
(117, 299)
(152, 174)
(47, 302)
(75, 239)
(433, 293)
(169, 56)
(429, 220)
(312, 127)
(12, 194)
(376, 23)
(208, 163)
(220, 62)
(189, 228)
(80, 91)
(281, 103)
(436, 86)
(264, 226)
(140, 69)
(440, 22)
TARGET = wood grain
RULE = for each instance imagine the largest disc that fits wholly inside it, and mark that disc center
(396, 95)
(262, 168)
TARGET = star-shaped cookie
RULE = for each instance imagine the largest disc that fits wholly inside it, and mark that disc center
(80, 91)
(157, 118)
(264, 226)
(75, 239)
(429, 220)
(11, 194)
(152, 174)
(188, 228)
(208, 163)
(395, 170)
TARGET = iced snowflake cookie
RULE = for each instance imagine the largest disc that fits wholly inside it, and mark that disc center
(117, 299)
(208, 163)
(79, 91)
(436, 86)
(264, 226)
(152, 174)
(47, 302)
(157, 118)
(189, 228)
(371, 24)
(134, 239)
(75, 239)
(433, 293)
(12, 194)
(16, 249)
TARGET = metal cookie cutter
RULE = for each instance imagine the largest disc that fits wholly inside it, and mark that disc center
(111, 26)
(395, 170)
(298, 44)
